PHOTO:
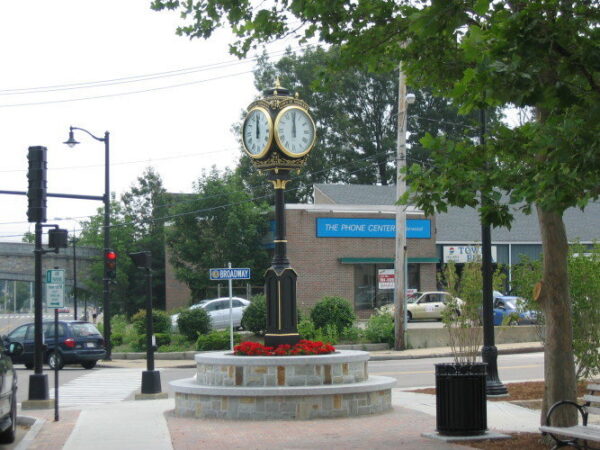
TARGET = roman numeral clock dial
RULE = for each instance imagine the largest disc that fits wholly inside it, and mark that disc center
(257, 132)
(294, 131)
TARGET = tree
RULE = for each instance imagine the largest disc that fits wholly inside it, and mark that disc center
(355, 114)
(535, 53)
(136, 225)
(219, 223)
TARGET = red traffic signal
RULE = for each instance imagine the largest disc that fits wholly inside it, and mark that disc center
(110, 264)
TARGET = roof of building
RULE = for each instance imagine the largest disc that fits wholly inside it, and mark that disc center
(459, 225)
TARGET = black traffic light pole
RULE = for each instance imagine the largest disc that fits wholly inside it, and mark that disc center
(150, 377)
(36, 212)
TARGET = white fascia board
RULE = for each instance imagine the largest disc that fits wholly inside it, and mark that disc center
(353, 209)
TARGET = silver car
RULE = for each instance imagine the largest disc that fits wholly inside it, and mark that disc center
(218, 311)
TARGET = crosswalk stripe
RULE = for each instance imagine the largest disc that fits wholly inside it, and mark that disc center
(99, 386)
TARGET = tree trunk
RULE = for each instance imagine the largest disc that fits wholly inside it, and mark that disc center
(559, 363)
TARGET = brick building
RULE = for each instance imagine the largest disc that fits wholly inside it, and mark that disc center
(344, 245)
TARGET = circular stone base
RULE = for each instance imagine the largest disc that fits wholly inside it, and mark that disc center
(282, 388)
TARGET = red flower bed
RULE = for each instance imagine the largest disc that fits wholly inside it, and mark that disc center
(303, 347)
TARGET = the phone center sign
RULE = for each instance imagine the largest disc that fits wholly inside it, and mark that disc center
(332, 227)
(465, 253)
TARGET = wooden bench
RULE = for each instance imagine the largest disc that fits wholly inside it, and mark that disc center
(580, 435)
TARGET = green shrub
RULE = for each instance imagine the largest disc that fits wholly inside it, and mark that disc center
(192, 322)
(306, 329)
(116, 339)
(118, 324)
(335, 311)
(255, 316)
(216, 340)
(161, 339)
(179, 343)
(351, 334)
(380, 328)
(161, 321)
(328, 334)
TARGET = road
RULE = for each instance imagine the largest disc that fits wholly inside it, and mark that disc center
(78, 386)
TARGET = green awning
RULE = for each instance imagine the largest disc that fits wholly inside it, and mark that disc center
(387, 260)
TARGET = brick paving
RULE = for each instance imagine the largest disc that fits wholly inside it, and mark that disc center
(400, 428)
(53, 435)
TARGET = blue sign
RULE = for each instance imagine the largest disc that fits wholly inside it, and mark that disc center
(229, 273)
(371, 228)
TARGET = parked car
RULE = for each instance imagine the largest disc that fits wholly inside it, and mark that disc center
(79, 342)
(511, 306)
(218, 311)
(8, 392)
(425, 305)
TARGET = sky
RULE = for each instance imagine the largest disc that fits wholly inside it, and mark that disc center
(79, 63)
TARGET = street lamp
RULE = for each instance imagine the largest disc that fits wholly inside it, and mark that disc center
(71, 142)
(404, 100)
(489, 352)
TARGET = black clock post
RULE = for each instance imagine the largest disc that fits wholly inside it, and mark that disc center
(278, 134)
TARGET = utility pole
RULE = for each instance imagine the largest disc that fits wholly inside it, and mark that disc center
(400, 256)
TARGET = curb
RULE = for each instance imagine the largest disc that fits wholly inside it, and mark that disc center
(508, 351)
(35, 425)
(188, 357)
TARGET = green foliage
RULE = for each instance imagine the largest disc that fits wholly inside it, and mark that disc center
(136, 226)
(351, 335)
(216, 340)
(201, 230)
(327, 334)
(462, 318)
(178, 344)
(161, 321)
(162, 339)
(306, 329)
(584, 290)
(334, 311)
(116, 339)
(380, 329)
(255, 316)
(192, 322)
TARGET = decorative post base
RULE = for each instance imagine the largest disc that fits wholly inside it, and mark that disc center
(493, 385)
(280, 287)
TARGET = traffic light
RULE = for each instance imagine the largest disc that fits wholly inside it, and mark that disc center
(110, 264)
(36, 191)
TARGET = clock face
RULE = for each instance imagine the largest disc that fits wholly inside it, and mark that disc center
(257, 132)
(294, 131)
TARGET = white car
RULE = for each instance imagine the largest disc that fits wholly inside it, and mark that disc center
(218, 311)
(425, 305)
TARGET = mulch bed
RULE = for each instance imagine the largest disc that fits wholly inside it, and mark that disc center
(526, 391)
(529, 390)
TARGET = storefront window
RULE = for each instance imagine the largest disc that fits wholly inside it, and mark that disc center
(374, 285)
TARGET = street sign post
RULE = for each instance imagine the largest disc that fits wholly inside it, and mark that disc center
(55, 288)
(55, 298)
(230, 273)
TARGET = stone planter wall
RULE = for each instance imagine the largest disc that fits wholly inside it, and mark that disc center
(282, 387)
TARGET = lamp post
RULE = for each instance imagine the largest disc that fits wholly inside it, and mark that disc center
(150, 377)
(489, 352)
(400, 257)
(71, 142)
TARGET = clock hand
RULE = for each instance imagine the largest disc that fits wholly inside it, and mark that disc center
(294, 124)
(257, 129)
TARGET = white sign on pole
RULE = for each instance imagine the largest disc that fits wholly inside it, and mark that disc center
(55, 288)
(385, 279)
(465, 253)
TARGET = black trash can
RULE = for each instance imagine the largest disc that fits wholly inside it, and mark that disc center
(461, 402)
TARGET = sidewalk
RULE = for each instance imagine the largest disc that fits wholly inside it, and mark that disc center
(151, 424)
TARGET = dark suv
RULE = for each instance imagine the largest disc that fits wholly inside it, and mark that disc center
(78, 343)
